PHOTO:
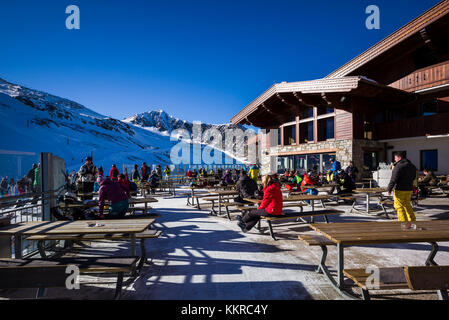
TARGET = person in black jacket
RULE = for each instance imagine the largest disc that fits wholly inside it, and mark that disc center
(430, 179)
(246, 187)
(402, 177)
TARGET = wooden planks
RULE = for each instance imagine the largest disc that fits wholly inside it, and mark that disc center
(302, 214)
(427, 278)
(384, 232)
(78, 227)
(389, 278)
(315, 240)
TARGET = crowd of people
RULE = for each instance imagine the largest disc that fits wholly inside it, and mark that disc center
(341, 180)
(29, 183)
(117, 187)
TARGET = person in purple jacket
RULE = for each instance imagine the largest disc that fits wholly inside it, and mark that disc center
(116, 194)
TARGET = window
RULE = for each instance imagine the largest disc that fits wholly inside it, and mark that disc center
(429, 159)
(300, 163)
(370, 161)
(279, 137)
(325, 129)
(306, 132)
(305, 162)
(367, 130)
(326, 110)
(306, 113)
(429, 108)
(290, 135)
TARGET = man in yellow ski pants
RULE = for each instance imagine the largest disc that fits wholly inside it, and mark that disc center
(402, 179)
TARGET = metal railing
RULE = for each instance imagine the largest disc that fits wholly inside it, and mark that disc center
(26, 208)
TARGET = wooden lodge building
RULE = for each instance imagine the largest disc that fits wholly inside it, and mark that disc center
(392, 97)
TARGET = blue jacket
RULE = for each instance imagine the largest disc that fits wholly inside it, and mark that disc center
(336, 166)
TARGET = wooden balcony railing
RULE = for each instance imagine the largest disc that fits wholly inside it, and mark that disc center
(413, 127)
(429, 77)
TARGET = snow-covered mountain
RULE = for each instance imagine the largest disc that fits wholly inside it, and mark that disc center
(35, 121)
(163, 122)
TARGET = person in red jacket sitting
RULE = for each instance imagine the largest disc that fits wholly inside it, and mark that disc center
(123, 180)
(272, 204)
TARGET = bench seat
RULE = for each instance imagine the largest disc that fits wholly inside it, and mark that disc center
(413, 278)
(315, 240)
(142, 236)
(299, 216)
(47, 273)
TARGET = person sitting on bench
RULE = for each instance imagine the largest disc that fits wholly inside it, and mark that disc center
(345, 181)
(246, 187)
(123, 180)
(116, 194)
(272, 204)
(153, 181)
(429, 179)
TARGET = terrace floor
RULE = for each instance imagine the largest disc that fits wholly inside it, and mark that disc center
(206, 257)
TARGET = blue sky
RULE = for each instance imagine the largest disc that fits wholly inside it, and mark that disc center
(197, 60)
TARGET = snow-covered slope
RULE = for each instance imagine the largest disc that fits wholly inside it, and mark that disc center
(35, 121)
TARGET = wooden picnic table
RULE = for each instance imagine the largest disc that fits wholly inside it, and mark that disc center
(370, 180)
(145, 201)
(220, 194)
(366, 233)
(80, 227)
(369, 192)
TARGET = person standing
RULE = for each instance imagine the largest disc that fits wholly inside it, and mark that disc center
(159, 171)
(167, 172)
(87, 176)
(135, 176)
(30, 176)
(271, 204)
(145, 172)
(336, 166)
(352, 171)
(113, 173)
(402, 177)
(254, 172)
(4, 186)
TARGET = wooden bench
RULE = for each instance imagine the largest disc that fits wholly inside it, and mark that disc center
(51, 273)
(299, 216)
(413, 278)
(147, 234)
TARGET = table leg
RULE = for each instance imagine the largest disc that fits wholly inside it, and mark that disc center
(340, 265)
(367, 202)
(219, 204)
(133, 244)
(17, 246)
(433, 252)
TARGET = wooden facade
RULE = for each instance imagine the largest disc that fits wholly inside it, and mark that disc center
(397, 89)
(433, 76)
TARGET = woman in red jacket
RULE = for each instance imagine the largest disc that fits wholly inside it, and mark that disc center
(271, 204)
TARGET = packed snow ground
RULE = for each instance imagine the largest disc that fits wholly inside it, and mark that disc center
(206, 257)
